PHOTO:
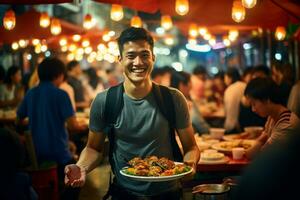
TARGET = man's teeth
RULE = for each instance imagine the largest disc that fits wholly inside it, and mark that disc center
(138, 70)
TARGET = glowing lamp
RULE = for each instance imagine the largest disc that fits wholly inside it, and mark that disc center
(55, 27)
(136, 22)
(238, 11)
(166, 22)
(182, 7)
(9, 20)
(116, 12)
(44, 20)
(280, 33)
(249, 3)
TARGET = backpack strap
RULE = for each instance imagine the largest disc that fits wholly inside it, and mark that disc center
(113, 103)
(164, 100)
(113, 106)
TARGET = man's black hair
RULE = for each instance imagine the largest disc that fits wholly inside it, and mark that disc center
(72, 64)
(10, 72)
(262, 68)
(50, 68)
(134, 34)
(179, 77)
(263, 89)
(199, 69)
(234, 74)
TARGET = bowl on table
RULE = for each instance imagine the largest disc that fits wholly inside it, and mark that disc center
(217, 133)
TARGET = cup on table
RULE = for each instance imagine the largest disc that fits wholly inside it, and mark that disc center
(217, 133)
(238, 153)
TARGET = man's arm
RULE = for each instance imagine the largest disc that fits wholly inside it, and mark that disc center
(74, 125)
(190, 148)
(93, 152)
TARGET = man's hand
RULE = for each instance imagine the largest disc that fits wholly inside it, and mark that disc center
(189, 176)
(75, 175)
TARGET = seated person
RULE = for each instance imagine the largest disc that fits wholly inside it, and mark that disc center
(182, 81)
(264, 97)
(11, 92)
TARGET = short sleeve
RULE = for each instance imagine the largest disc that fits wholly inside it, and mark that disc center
(97, 123)
(183, 119)
(65, 105)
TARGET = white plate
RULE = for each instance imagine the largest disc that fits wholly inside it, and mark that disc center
(155, 178)
(226, 146)
(232, 137)
(213, 162)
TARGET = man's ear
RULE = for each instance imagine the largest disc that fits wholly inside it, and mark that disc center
(119, 58)
(153, 57)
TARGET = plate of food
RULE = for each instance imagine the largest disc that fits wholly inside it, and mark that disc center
(226, 146)
(232, 137)
(154, 169)
(212, 156)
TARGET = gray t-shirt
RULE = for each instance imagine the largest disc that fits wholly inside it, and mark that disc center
(141, 130)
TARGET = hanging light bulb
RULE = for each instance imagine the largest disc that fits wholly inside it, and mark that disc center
(182, 7)
(238, 11)
(226, 41)
(63, 42)
(35, 41)
(169, 40)
(55, 27)
(15, 46)
(280, 33)
(116, 12)
(44, 20)
(233, 34)
(193, 30)
(212, 41)
(249, 3)
(207, 36)
(202, 30)
(76, 37)
(166, 22)
(88, 21)
(9, 20)
(136, 22)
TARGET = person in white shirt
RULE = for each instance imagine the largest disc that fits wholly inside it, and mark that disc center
(232, 98)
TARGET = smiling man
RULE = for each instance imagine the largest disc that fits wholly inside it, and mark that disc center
(140, 128)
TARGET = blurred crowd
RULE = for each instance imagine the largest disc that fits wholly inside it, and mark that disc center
(255, 96)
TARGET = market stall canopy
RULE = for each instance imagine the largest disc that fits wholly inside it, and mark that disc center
(28, 27)
(266, 14)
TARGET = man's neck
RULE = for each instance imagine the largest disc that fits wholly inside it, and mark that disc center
(278, 109)
(137, 90)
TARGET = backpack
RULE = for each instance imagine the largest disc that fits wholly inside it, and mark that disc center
(114, 104)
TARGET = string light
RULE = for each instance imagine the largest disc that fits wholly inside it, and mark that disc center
(280, 33)
(249, 3)
(166, 22)
(55, 27)
(88, 21)
(9, 20)
(44, 20)
(136, 22)
(238, 11)
(116, 12)
(182, 7)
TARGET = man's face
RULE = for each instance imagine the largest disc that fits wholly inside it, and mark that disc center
(137, 59)
(259, 107)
